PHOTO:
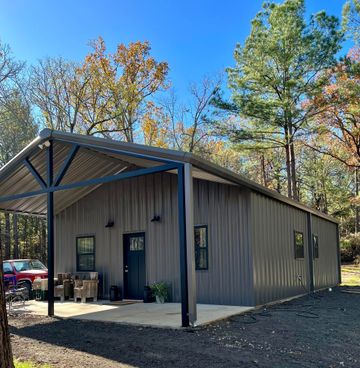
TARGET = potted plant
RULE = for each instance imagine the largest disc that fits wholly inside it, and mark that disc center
(160, 291)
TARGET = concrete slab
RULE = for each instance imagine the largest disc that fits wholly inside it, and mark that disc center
(152, 314)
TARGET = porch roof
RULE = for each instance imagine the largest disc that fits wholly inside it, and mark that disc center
(99, 157)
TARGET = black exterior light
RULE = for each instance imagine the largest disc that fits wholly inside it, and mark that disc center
(109, 224)
(156, 218)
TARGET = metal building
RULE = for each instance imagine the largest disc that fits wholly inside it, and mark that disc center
(140, 214)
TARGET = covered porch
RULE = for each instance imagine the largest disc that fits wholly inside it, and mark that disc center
(57, 169)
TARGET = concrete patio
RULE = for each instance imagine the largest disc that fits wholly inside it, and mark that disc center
(152, 314)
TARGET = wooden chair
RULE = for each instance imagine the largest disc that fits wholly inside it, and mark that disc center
(85, 289)
(63, 287)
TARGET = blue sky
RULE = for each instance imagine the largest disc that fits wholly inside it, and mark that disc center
(196, 37)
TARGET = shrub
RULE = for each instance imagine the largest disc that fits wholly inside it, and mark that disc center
(350, 248)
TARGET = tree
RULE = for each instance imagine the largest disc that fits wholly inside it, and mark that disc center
(190, 123)
(277, 69)
(58, 93)
(155, 126)
(10, 70)
(337, 127)
(325, 184)
(119, 88)
(351, 19)
(9, 73)
(105, 94)
(17, 127)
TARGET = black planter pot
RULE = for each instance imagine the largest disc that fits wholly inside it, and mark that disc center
(148, 296)
(114, 293)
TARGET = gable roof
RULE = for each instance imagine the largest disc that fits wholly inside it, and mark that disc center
(99, 157)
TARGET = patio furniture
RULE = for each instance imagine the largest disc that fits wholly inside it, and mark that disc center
(16, 293)
(64, 288)
(40, 288)
(86, 275)
(86, 286)
(36, 286)
(85, 289)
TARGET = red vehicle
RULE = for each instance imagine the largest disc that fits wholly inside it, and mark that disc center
(25, 270)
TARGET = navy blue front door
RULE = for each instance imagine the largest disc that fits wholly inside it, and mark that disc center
(134, 265)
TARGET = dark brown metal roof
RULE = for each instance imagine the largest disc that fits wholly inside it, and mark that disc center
(100, 157)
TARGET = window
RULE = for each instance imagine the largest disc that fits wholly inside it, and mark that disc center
(315, 246)
(22, 266)
(299, 244)
(201, 247)
(85, 253)
(34, 264)
(37, 265)
(137, 243)
(7, 269)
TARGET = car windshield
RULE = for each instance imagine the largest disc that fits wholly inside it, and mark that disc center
(29, 265)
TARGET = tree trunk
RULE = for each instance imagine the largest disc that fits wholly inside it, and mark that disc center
(25, 238)
(288, 166)
(7, 237)
(263, 170)
(6, 358)
(356, 195)
(16, 236)
(278, 180)
(295, 194)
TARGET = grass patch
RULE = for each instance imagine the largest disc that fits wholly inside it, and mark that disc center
(29, 365)
(350, 275)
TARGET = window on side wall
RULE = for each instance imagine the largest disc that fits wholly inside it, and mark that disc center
(201, 247)
(299, 244)
(315, 246)
(85, 253)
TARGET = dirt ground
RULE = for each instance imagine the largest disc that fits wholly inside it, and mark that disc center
(321, 331)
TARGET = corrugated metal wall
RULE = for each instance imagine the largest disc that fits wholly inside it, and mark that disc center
(131, 204)
(251, 239)
(229, 278)
(326, 267)
(275, 268)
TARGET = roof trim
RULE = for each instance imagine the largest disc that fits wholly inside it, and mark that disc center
(149, 152)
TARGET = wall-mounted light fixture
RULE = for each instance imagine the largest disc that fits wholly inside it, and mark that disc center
(156, 218)
(45, 144)
(110, 224)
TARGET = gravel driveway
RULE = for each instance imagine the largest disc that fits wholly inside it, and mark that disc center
(321, 331)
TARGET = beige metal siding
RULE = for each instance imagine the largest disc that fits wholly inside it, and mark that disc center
(326, 267)
(131, 204)
(276, 270)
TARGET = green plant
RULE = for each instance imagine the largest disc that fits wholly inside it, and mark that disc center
(160, 290)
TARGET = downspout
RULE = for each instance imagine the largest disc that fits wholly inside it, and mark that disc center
(310, 252)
